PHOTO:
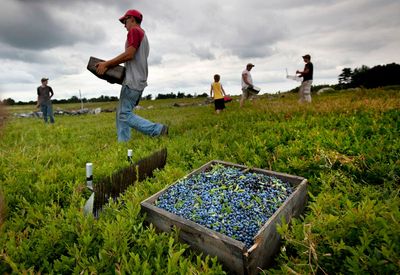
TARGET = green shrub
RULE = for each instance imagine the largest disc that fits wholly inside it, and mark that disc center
(346, 144)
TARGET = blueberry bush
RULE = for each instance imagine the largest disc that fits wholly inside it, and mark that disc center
(345, 143)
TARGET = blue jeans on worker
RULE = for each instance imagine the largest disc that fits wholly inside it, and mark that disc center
(47, 111)
(126, 119)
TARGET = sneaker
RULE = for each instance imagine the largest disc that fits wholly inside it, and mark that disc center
(164, 131)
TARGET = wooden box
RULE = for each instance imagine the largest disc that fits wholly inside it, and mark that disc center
(113, 75)
(231, 253)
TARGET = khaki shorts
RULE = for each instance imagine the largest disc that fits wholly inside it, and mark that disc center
(305, 91)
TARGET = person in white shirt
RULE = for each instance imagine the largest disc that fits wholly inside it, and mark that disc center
(247, 84)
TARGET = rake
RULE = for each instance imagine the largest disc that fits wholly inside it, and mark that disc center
(119, 181)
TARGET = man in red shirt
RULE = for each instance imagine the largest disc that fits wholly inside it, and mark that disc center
(135, 59)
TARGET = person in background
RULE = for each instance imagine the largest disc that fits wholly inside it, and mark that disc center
(247, 84)
(45, 93)
(218, 92)
(135, 59)
(307, 74)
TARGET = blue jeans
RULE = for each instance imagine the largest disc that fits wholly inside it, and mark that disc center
(47, 110)
(126, 119)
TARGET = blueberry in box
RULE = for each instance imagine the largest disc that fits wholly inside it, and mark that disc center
(229, 211)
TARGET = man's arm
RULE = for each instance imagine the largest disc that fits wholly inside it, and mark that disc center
(51, 92)
(38, 95)
(223, 91)
(129, 53)
(306, 70)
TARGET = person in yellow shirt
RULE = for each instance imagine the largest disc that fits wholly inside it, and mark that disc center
(217, 91)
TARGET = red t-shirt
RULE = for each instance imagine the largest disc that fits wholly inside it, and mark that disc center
(134, 37)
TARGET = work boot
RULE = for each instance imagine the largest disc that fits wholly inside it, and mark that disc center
(164, 130)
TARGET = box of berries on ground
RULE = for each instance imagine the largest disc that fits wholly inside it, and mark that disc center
(229, 211)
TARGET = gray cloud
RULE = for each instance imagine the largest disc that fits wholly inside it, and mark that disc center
(44, 26)
(30, 56)
(203, 52)
(234, 28)
(191, 40)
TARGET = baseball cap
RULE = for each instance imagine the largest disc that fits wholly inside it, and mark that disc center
(307, 56)
(134, 13)
(250, 65)
(44, 79)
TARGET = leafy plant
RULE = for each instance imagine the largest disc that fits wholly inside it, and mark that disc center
(345, 143)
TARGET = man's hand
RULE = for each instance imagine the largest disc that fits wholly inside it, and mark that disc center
(128, 54)
(101, 68)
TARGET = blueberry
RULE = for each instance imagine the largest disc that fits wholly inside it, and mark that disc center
(227, 200)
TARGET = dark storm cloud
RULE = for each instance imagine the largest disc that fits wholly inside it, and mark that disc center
(35, 26)
(29, 56)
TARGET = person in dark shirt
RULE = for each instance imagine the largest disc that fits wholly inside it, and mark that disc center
(307, 74)
(45, 93)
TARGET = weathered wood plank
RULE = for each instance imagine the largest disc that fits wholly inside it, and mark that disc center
(229, 251)
(267, 240)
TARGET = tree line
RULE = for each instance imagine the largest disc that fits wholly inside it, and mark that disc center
(103, 98)
(377, 76)
(364, 76)
(179, 95)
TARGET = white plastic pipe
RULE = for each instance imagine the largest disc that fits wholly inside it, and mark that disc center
(130, 155)
(89, 175)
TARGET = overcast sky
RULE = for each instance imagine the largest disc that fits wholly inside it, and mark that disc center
(190, 41)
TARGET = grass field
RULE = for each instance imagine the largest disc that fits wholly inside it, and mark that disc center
(345, 143)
